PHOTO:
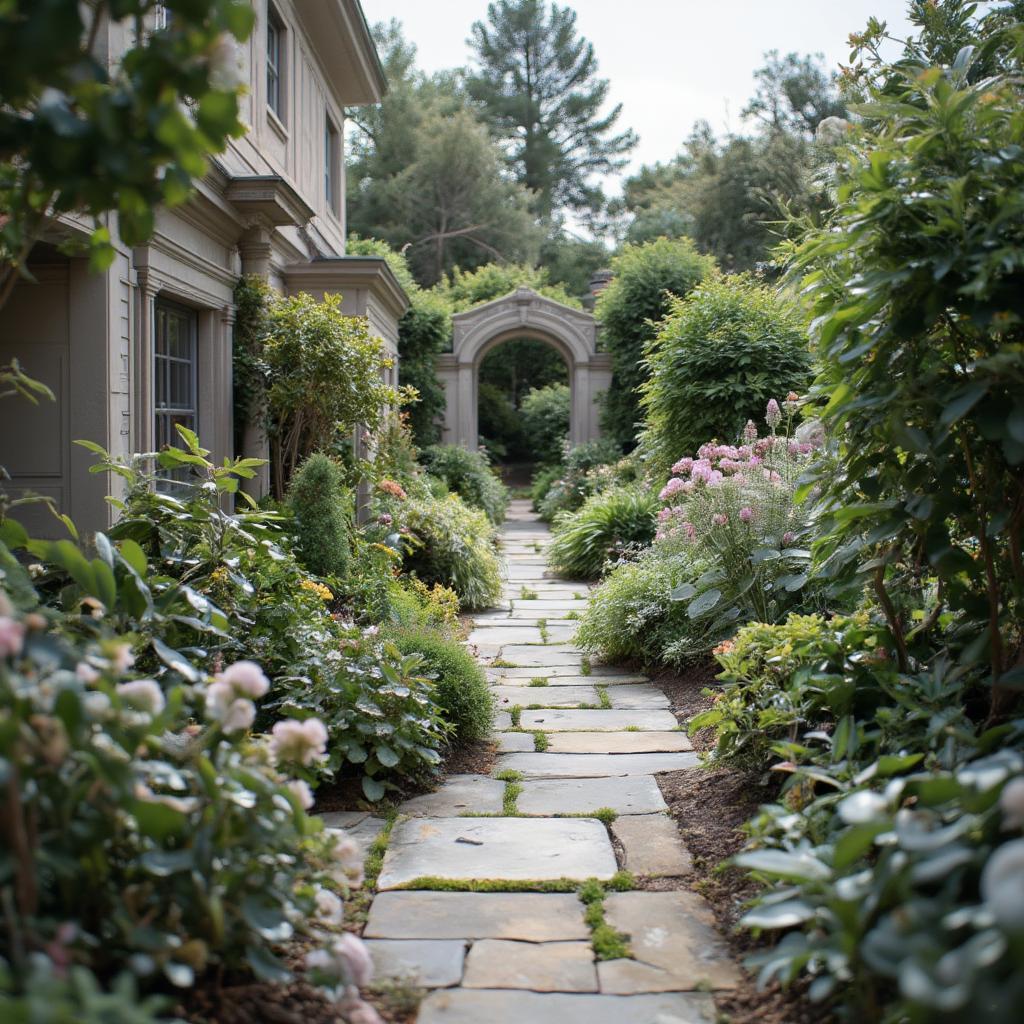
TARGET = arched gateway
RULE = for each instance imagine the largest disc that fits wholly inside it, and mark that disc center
(522, 314)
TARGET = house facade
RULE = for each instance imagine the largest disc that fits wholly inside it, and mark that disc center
(147, 344)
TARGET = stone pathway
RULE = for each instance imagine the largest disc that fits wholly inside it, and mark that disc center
(573, 797)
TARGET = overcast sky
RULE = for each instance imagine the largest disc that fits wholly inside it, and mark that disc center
(670, 62)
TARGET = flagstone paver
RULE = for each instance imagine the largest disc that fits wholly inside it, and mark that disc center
(630, 794)
(527, 916)
(651, 846)
(614, 743)
(508, 849)
(426, 963)
(559, 720)
(490, 1006)
(582, 766)
(540, 967)
(459, 794)
(509, 957)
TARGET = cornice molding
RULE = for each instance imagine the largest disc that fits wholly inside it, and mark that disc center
(341, 273)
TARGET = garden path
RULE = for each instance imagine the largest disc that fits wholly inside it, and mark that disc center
(573, 797)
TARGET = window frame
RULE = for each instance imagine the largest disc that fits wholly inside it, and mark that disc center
(165, 414)
(332, 165)
(275, 64)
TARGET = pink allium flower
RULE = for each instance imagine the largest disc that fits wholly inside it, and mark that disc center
(688, 487)
(715, 479)
(746, 514)
(690, 530)
(384, 519)
(787, 538)
(773, 414)
(12, 637)
(673, 487)
(719, 519)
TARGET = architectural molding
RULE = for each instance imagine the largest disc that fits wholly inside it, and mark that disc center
(268, 198)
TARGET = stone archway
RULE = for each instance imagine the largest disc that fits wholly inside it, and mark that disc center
(522, 314)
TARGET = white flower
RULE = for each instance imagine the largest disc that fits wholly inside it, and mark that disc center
(302, 793)
(122, 658)
(246, 678)
(1011, 803)
(301, 742)
(1002, 885)
(349, 859)
(85, 673)
(228, 696)
(97, 705)
(142, 695)
(329, 908)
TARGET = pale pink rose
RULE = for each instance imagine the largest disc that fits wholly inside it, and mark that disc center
(356, 957)
(301, 791)
(246, 679)
(85, 673)
(122, 658)
(301, 742)
(328, 907)
(12, 637)
(143, 695)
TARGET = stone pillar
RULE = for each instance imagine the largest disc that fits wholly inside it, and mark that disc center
(144, 435)
(466, 410)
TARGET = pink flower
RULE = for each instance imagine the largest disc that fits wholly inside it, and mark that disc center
(245, 678)
(773, 414)
(750, 431)
(384, 519)
(12, 637)
(301, 791)
(301, 742)
(746, 514)
(719, 519)
(143, 695)
(690, 530)
(682, 467)
(674, 486)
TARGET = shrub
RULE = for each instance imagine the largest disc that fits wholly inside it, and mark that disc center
(460, 686)
(321, 510)
(469, 476)
(448, 542)
(147, 830)
(576, 480)
(585, 540)
(243, 595)
(323, 377)
(500, 425)
(545, 416)
(919, 330)
(637, 297)
(543, 480)
(632, 613)
(736, 506)
(718, 357)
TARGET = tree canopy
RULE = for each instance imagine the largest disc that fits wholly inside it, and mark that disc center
(537, 83)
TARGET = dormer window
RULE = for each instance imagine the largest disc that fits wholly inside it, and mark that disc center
(275, 63)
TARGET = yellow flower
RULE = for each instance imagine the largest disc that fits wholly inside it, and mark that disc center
(317, 588)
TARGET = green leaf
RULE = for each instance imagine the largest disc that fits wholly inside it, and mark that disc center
(164, 863)
(373, 789)
(703, 604)
(778, 915)
(176, 660)
(13, 534)
(683, 592)
(962, 404)
(387, 757)
(793, 867)
(266, 918)
(266, 966)
(134, 556)
(855, 842)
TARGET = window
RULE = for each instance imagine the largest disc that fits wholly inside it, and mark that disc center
(275, 63)
(174, 374)
(332, 160)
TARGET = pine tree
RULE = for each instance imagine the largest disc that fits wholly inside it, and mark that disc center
(538, 86)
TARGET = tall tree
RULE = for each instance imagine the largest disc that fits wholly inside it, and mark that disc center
(538, 86)
(794, 94)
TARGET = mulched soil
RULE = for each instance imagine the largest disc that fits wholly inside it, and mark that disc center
(710, 807)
